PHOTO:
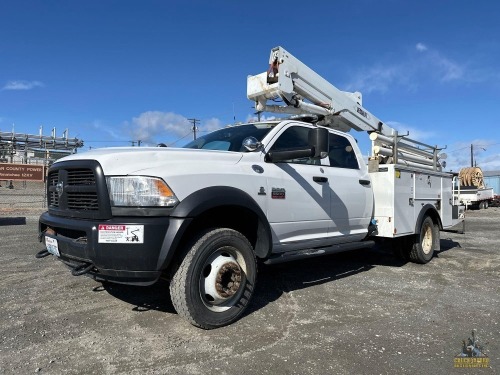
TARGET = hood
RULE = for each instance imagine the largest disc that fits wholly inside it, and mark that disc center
(132, 160)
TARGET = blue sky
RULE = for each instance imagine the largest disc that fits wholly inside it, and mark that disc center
(112, 72)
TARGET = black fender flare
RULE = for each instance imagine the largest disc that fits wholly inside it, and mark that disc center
(215, 196)
(201, 201)
(425, 212)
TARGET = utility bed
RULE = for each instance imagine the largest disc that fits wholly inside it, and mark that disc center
(401, 192)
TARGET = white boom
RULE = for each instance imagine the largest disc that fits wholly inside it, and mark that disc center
(294, 82)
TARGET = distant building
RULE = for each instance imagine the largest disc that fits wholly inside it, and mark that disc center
(492, 179)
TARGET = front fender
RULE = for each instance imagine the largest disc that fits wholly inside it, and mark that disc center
(206, 199)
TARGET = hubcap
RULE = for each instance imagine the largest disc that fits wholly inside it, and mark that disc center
(427, 240)
(221, 281)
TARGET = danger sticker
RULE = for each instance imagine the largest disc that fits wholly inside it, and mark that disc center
(118, 233)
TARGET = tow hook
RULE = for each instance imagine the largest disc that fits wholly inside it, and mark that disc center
(42, 254)
(82, 269)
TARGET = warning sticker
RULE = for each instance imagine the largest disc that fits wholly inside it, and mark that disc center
(118, 233)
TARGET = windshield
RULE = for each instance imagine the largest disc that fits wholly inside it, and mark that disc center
(231, 138)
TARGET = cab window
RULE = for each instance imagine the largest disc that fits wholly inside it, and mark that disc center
(295, 137)
(341, 152)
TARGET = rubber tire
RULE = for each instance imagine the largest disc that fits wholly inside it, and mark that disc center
(417, 253)
(486, 204)
(185, 290)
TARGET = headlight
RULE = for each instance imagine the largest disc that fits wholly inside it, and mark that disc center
(140, 191)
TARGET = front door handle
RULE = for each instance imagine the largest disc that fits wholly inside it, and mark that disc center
(364, 182)
(320, 179)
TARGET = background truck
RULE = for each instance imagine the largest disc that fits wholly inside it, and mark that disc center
(205, 215)
(471, 191)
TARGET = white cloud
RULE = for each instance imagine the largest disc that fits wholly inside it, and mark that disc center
(210, 125)
(154, 126)
(410, 71)
(22, 85)
(105, 131)
(485, 155)
(380, 78)
(414, 133)
(263, 117)
(447, 69)
(421, 47)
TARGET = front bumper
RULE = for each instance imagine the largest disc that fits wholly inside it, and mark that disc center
(134, 262)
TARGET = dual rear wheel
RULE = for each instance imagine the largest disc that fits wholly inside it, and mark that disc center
(483, 204)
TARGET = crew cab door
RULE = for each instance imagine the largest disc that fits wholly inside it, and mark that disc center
(298, 195)
(350, 187)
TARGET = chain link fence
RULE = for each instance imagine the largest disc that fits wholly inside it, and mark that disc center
(18, 198)
(23, 198)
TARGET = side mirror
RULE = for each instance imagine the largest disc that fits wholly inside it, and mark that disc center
(318, 148)
(318, 140)
(251, 144)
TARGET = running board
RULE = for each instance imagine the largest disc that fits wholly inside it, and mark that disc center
(309, 253)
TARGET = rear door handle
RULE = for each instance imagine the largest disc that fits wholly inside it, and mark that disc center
(320, 179)
(364, 182)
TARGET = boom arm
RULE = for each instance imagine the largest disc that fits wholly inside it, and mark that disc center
(294, 82)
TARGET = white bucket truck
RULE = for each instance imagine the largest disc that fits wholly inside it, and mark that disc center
(204, 215)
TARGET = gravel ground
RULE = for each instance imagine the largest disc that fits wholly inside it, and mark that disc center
(362, 312)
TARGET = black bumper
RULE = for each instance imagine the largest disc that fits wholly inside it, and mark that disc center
(132, 262)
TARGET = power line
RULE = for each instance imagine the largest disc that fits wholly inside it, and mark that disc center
(476, 145)
(173, 143)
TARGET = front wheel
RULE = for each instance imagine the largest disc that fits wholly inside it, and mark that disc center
(215, 280)
(425, 242)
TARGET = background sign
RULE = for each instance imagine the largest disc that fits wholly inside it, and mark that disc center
(22, 172)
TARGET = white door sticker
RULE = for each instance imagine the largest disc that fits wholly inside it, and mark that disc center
(118, 233)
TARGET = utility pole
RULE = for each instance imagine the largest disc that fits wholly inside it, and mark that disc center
(195, 122)
(473, 163)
